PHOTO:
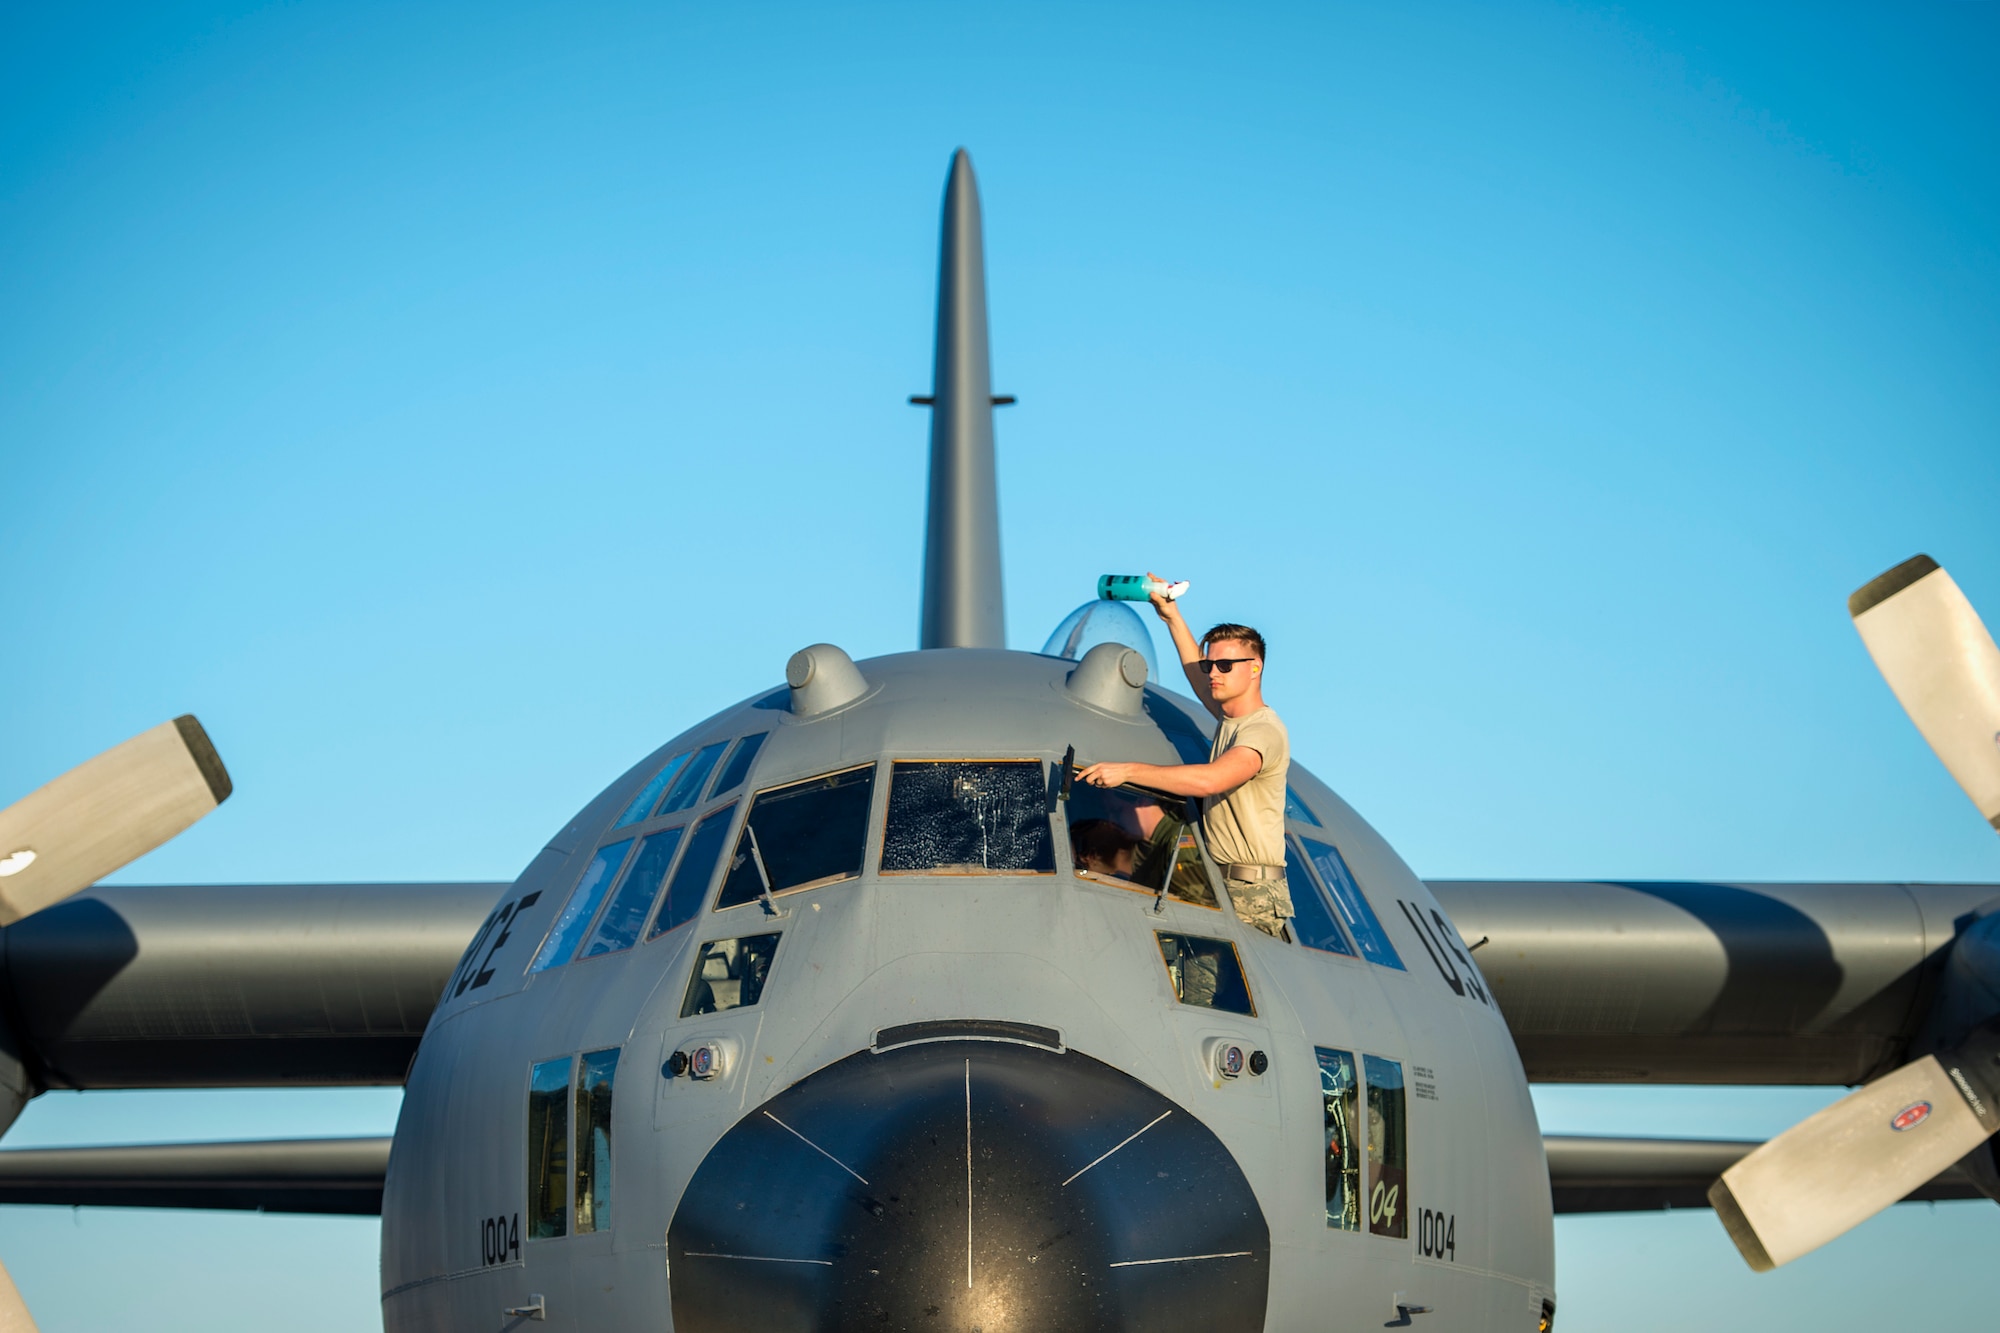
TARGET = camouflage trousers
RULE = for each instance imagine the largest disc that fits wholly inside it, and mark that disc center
(1264, 904)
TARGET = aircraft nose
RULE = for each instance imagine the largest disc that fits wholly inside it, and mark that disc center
(981, 1185)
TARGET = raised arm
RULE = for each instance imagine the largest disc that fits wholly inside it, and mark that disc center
(1189, 650)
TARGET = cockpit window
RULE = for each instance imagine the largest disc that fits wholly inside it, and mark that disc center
(729, 974)
(968, 817)
(596, 1072)
(1339, 1099)
(1206, 972)
(697, 867)
(806, 833)
(577, 913)
(737, 766)
(622, 921)
(642, 804)
(687, 788)
(1314, 924)
(548, 1149)
(1388, 1149)
(1137, 839)
(1348, 901)
(1296, 809)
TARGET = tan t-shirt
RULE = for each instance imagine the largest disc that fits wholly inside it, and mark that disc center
(1246, 826)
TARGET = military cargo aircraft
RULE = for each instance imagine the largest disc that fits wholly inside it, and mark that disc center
(819, 1018)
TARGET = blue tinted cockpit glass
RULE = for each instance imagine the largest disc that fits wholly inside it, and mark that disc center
(958, 817)
(576, 914)
(1296, 809)
(1349, 902)
(622, 921)
(737, 766)
(1313, 923)
(690, 882)
(687, 788)
(643, 802)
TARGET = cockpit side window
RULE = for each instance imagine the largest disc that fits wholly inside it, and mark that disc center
(729, 974)
(687, 788)
(642, 804)
(1340, 1100)
(737, 766)
(1206, 972)
(801, 835)
(1350, 903)
(968, 817)
(548, 1149)
(1313, 925)
(690, 882)
(1137, 839)
(578, 912)
(1297, 810)
(623, 919)
(1388, 1149)
(596, 1071)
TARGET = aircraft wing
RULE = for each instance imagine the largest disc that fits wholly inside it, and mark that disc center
(237, 985)
(273, 1176)
(1699, 982)
(1649, 982)
(1609, 1175)
(1586, 1175)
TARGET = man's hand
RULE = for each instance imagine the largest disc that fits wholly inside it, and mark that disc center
(1105, 775)
(1163, 606)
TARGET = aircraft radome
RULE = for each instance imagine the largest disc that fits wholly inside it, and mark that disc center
(813, 1020)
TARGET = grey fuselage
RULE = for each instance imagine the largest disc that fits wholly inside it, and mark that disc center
(822, 1180)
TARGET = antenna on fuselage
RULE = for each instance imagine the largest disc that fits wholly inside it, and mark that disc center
(964, 606)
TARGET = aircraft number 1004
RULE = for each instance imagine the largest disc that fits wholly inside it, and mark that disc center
(500, 1240)
(1437, 1235)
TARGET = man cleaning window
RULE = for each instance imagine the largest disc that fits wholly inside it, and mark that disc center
(1242, 786)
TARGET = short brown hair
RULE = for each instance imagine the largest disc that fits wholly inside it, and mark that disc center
(1238, 634)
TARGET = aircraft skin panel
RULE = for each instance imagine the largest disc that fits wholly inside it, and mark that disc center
(1679, 982)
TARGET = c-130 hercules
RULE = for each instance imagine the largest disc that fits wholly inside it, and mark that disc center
(808, 1022)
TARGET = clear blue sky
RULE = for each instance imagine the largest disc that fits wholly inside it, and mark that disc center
(450, 403)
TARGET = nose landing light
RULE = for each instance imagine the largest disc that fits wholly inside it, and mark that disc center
(961, 1184)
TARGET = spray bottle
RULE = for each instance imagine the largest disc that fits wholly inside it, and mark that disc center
(1137, 588)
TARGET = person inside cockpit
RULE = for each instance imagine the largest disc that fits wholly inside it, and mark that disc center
(1103, 848)
(1242, 786)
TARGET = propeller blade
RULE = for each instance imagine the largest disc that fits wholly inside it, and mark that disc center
(1937, 656)
(1835, 1170)
(14, 1316)
(105, 812)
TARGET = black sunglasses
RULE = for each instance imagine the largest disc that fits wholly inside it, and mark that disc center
(1223, 664)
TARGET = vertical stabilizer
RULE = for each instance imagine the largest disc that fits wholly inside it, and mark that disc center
(964, 606)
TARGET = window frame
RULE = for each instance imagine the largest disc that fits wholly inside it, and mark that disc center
(579, 1127)
(1394, 962)
(1188, 826)
(737, 807)
(1166, 970)
(775, 935)
(1295, 844)
(880, 827)
(1372, 1182)
(530, 1215)
(749, 804)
